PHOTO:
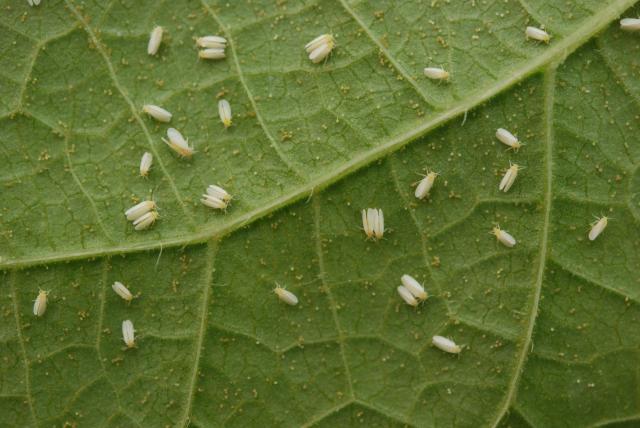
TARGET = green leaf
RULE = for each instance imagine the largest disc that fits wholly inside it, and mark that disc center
(549, 327)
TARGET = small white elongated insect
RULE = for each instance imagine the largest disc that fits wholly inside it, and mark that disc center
(630, 24)
(177, 143)
(425, 185)
(373, 223)
(218, 192)
(414, 287)
(509, 177)
(320, 53)
(436, 73)
(212, 53)
(154, 40)
(537, 34)
(598, 227)
(128, 334)
(212, 42)
(406, 295)
(33, 2)
(145, 164)
(504, 237)
(138, 210)
(122, 291)
(224, 110)
(508, 139)
(157, 112)
(285, 295)
(446, 344)
(40, 304)
(146, 220)
(320, 47)
(323, 39)
(214, 202)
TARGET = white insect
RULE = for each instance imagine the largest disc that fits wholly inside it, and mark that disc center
(508, 139)
(320, 47)
(157, 112)
(504, 237)
(436, 73)
(218, 192)
(537, 34)
(373, 223)
(224, 110)
(146, 220)
(212, 42)
(33, 2)
(212, 53)
(425, 185)
(630, 24)
(40, 304)
(138, 210)
(177, 143)
(406, 295)
(285, 295)
(154, 40)
(509, 177)
(145, 164)
(122, 291)
(414, 287)
(446, 345)
(598, 227)
(128, 334)
(216, 198)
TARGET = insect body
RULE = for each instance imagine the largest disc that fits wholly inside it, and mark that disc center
(504, 237)
(177, 143)
(598, 227)
(285, 295)
(145, 164)
(406, 295)
(373, 223)
(122, 291)
(224, 110)
(436, 73)
(40, 304)
(128, 334)
(537, 34)
(154, 40)
(157, 112)
(446, 344)
(509, 177)
(508, 139)
(414, 287)
(320, 47)
(425, 185)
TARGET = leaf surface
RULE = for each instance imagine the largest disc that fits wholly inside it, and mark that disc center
(549, 327)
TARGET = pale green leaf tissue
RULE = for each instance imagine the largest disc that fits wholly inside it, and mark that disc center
(549, 328)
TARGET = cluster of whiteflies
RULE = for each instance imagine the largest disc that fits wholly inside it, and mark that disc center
(142, 215)
(216, 197)
(212, 47)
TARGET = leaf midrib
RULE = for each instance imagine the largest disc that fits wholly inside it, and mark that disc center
(554, 53)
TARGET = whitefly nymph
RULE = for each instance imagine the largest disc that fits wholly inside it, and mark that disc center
(285, 295)
(445, 344)
(154, 40)
(177, 143)
(373, 223)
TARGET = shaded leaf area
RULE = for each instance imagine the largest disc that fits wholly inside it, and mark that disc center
(549, 327)
(75, 75)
